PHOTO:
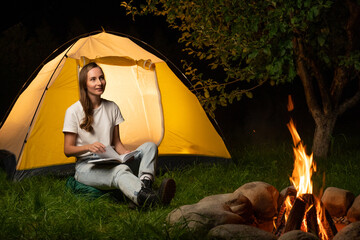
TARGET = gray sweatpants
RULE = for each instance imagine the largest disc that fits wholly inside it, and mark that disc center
(122, 176)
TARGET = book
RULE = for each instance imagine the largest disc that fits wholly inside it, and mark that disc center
(111, 156)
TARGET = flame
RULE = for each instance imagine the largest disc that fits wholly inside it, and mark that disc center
(303, 164)
(304, 222)
(320, 212)
(288, 206)
(290, 105)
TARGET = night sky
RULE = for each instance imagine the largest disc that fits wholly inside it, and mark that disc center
(34, 30)
(44, 26)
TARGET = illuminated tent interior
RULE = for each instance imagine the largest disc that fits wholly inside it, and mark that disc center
(156, 106)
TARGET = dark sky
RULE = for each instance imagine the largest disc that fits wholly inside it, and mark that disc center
(46, 25)
(34, 30)
(65, 17)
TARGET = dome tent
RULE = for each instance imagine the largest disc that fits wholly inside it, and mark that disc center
(156, 106)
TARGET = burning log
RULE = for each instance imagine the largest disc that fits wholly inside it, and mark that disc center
(287, 202)
(330, 222)
(296, 215)
(304, 216)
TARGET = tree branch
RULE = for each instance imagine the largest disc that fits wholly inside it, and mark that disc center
(227, 83)
(339, 82)
(352, 25)
(323, 88)
(305, 78)
(349, 103)
(340, 78)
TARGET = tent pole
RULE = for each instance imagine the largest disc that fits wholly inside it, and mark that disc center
(41, 98)
(36, 70)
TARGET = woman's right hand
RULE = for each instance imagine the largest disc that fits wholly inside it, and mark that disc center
(96, 147)
(70, 148)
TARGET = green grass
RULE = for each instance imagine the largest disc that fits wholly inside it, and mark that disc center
(42, 208)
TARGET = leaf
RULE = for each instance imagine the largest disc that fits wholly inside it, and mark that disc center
(273, 31)
(213, 65)
(294, 20)
(249, 94)
(313, 13)
(206, 93)
(282, 52)
(267, 51)
(315, 10)
(227, 18)
(292, 73)
(329, 3)
(326, 59)
(299, 3)
(357, 66)
(223, 101)
(253, 54)
(199, 83)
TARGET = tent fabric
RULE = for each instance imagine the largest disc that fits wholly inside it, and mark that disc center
(188, 130)
(156, 105)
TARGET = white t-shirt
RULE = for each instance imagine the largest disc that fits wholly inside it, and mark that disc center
(106, 117)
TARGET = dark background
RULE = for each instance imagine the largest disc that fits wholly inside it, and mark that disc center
(32, 31)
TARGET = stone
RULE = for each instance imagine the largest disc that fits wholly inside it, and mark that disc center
(298, 235)
(239, 231)
(217, 198)
(351, 231)
(337, 201)
(240, 205)
(210, 212)
(353, 213)
(283, 192)
(263, 197)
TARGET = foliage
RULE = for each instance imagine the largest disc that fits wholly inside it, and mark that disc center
(274, 41)
(251, 41)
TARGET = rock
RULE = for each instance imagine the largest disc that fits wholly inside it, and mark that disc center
(238, 204)
(351, 232)
(212, 211)
(337, 201)
(291, 189)
(298, 235)
(218, 198)
(353, 213)
(241, 206)
(239, 231)
(263, 198)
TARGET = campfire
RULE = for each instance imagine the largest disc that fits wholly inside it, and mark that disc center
(257, 210)
(301, 209)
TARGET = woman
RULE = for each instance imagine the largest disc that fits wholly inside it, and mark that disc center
(91, 124)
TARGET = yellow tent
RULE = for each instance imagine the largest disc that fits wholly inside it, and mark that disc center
(156, 105)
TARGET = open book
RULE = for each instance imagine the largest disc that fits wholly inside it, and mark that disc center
(111, 156)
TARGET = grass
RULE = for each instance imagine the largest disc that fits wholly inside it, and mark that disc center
(42, 207)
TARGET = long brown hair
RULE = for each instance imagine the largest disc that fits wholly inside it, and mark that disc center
(84, 98)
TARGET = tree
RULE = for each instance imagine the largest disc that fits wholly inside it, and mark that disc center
(271, 41)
